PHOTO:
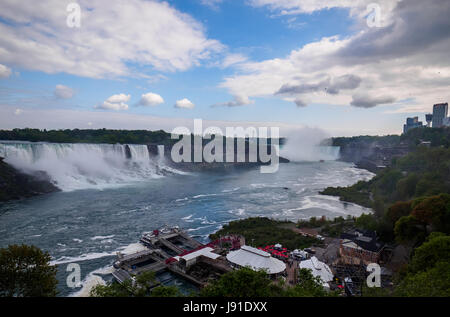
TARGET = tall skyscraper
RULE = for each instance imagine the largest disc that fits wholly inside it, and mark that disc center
(440, 112)
(429, 118)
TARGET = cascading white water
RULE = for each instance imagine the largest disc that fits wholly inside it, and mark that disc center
(80, 166)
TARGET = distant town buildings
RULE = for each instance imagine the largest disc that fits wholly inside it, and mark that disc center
(438, 119)
(440, 112)
(429, 119)
(360, 246)
(411, 123)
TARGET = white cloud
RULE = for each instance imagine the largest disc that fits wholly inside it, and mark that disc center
(233, 59)
(113, 36)
(237, 101)
(115, 102)
(304, 6)
(5, 72)
(151, 99)
(63, 92)
(184, 104)
(407, 59)
(213, 4)
(18, 111)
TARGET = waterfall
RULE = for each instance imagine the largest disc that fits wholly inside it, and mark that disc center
(81, 166)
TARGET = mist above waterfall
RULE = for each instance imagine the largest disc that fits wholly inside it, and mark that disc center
(81, 166)
(306, 145)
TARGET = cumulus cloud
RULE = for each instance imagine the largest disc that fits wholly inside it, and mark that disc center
(156, 34)
(184, 104)
(233, 59)
(331, 86)
(300, 103)
(5, 72)
(366, 101)
(406, 59)
(115, 102)
(239, 100)
(63, 92)
(150, 99)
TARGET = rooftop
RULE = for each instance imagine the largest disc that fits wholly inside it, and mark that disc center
(256, 259)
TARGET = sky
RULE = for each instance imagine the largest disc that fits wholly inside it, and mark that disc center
(344, 67)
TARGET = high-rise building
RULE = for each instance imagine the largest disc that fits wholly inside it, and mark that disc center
(446, 122)
(440, 112)
(429, 118)
(411, 123)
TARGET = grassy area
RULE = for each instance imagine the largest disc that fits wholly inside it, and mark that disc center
(260, 232)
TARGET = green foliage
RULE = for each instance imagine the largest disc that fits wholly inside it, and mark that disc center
(313, 222)
(25, 272)
(425, 171)
(308, 286)
(398, 210)
(350, 194)
(367, 222)
(428, 273)
(434, 282)
(260, 232)
(144, 286)
(408, 228)
(436, 249)
(165, 291)
(87, 136)
(242, 283)
(248, 283)
(434, 211)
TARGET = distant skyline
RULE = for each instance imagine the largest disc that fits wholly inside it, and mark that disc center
(142, 64)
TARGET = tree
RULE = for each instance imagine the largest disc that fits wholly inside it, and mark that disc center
(434, 282)
(308, 286)
(25, 271)
(398, 210)
(434, 211)
(142, 287)
(408, 228)
(436, 249)
(242, 283)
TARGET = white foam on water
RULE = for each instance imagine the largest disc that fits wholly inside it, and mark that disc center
(132, 248)
(204, 195)
(92, 280)
(230, 190)
(81, 258)
(102, 237)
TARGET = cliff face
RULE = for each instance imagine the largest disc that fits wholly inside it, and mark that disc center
(16, 185)
(199, 166)
(372, 155)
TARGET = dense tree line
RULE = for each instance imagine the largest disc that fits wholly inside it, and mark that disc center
(87, 136)
(260, 231)
(414, 137)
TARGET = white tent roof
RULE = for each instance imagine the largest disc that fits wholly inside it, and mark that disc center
(208, 252)
(318, 269)
(256, 259)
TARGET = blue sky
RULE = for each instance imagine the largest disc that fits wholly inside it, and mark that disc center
(296, 63)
